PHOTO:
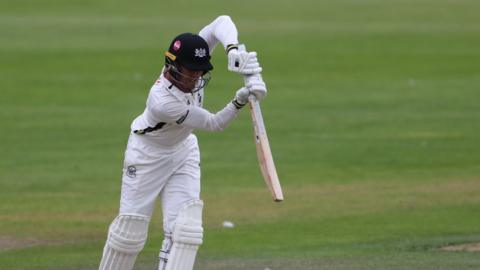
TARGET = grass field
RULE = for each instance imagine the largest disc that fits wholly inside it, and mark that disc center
(373, 115)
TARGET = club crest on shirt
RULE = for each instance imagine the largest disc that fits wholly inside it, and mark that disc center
(200, 52)
(131, 171)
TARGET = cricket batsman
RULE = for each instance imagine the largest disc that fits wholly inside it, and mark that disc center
(162, 158)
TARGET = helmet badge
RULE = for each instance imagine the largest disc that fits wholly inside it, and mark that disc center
(200, 52)
(177, 45)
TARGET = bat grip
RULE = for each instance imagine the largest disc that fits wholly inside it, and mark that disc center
(251, 98)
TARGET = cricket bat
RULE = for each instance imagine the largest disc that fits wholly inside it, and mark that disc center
(264, 154)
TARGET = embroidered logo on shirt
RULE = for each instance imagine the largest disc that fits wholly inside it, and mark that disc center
(200, 52)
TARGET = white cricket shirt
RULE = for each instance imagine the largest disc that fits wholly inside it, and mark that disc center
(171, 115)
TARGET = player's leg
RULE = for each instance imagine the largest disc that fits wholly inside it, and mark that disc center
(126, 238)
(179, 248)
(141, 183)
(182, 213)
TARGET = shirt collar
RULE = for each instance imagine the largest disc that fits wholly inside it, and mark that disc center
(172, 88)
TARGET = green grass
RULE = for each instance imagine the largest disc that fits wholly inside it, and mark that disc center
(373, 117)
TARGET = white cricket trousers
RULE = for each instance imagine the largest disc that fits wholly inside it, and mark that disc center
(151, 170)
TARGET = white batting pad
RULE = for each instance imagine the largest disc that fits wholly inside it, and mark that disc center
(187, 236)
(126, 238)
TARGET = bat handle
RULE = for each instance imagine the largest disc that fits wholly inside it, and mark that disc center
(243, 48)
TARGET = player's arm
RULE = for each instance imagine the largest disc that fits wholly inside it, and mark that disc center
(223, 30)
(199, 118)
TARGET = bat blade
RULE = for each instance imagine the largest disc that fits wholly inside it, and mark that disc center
(264, 154)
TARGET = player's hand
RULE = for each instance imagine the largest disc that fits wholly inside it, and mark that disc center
(241, 97)
(243, 62)
(256, 86)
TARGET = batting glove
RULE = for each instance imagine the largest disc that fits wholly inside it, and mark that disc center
(256, 86)
(241, 97)
(243, 62)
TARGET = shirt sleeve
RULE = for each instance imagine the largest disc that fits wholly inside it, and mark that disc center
(222, 30)
(199, 118)
(171, 112)
(196, 117)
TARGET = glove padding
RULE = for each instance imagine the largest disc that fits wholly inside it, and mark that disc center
(243, 62)
(241, 97)
(256, 86)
